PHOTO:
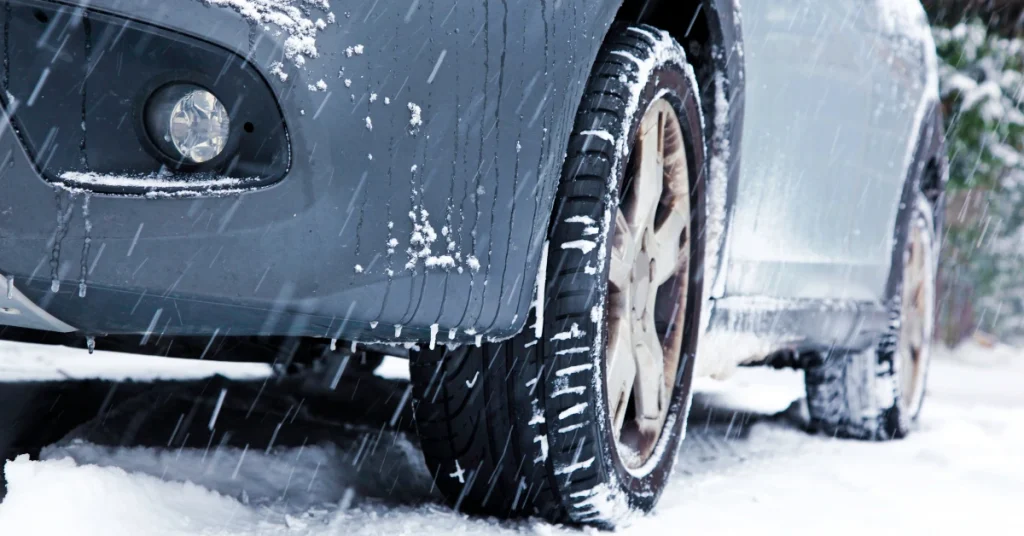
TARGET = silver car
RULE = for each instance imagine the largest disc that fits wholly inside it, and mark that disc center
(567, 211)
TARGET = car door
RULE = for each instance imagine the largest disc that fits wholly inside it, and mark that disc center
(799, 228)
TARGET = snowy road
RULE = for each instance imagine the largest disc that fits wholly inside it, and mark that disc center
(275, 463)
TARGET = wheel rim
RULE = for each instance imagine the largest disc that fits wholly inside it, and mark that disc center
(648, 283)
(918, 297)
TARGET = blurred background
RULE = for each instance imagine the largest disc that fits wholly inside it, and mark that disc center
(981, 58)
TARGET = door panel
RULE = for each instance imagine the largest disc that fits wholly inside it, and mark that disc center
(808, 221)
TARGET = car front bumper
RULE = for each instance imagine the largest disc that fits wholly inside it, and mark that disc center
(386, 224)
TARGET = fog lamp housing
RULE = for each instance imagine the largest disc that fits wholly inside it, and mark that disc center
(188, 123)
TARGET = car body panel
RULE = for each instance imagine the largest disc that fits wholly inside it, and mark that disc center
(334, 248)
(460, 138)
(835, 93)
(312, 254)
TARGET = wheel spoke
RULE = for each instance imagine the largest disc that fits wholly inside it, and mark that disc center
(668, 244)
(650, 364)
(650, 172)
(624, 249)
(621, 370)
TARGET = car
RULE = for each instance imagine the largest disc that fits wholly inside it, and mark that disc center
(541, 205)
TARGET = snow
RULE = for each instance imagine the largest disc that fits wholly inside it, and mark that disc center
(153, 181)
(574, 333)
(392, 368)
(437, 67)
(277, 69)
(568, 371)
(539, 288)
(717, 195)
(290, 16)
(416, 115)
(35, 362)
(421, 242)
(719, 352)
(572, 411)
(543, 440)
(216, 409)
(586, 246)
(433, 335)
(572, 468)
(93, 494)
(740, 471)
(586, 220)
(442, 261)
(421, 239)
(602, 134)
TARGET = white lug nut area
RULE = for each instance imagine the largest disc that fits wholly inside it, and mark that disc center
(199, 126)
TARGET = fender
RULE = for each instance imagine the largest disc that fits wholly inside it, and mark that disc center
(711, 32)
(726, 32)
(927, 174)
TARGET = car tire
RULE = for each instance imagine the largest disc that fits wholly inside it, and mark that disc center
(524, 427)
(877, 394)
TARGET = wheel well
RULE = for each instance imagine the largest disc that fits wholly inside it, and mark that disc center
(685, 20)
(931, 180)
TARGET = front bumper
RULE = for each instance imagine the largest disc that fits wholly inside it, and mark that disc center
(336, 247)
(18, 311)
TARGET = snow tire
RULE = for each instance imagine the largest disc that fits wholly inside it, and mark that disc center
(860, 395)
(521, 427)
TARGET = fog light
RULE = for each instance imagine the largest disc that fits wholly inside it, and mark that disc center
(188, 123)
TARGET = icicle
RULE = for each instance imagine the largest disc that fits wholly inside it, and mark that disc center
(433, 336)
(82, 282)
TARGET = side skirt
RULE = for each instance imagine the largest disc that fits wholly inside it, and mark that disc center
(753, 330)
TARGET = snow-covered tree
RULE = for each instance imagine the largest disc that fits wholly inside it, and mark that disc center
(982, 88)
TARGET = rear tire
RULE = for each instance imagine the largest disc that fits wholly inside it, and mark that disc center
(877, 394)
(523, 427)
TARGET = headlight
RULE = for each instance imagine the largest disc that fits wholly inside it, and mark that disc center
(188, 123)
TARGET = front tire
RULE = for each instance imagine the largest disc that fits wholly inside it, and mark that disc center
(578, 419)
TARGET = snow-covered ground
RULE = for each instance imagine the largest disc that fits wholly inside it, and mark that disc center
(745, 467)
(36, 362)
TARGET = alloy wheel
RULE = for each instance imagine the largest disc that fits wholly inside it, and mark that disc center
(648, 285)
